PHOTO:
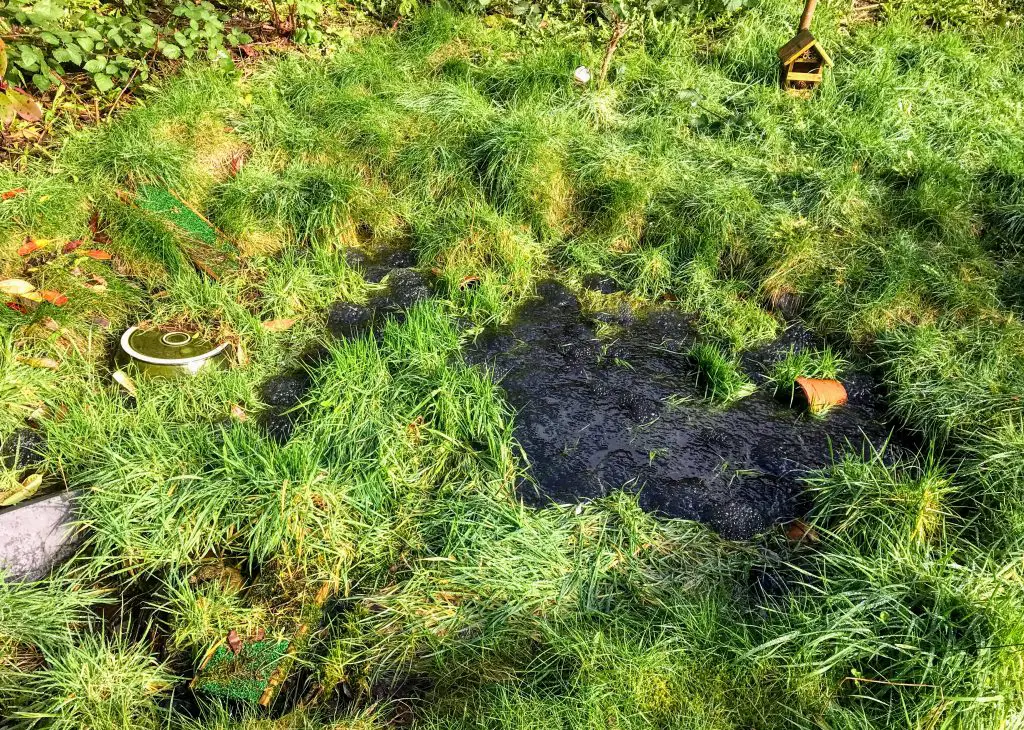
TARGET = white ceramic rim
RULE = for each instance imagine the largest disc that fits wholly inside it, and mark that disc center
(135, 354)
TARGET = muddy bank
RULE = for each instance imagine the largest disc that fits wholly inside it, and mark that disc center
(595, 415)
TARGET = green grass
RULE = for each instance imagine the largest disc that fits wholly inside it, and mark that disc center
(721, 375)
(823, 364)
(887, 206)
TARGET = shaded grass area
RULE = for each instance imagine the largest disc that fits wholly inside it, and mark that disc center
(886, 209)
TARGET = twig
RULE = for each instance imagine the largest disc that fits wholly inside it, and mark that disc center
(891, 684)
(620, 30)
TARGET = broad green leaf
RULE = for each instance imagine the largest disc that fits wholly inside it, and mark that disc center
(103, 82)
(171, 51)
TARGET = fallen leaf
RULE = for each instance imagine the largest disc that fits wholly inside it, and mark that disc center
(238, 413)
(800, 531)
(71, 245)
(237, 163)
(234, 642)
(50, 323)
(96, 283)
(98, 254)
(261, 634)
(24, 105)
(122, 379)
(53, 297)
(32, 245)
(39, 362)
(27, 488)
(16, 287)
(8, 194)
(16, 307)
(279, 325)
(100, 321)
(39, 414)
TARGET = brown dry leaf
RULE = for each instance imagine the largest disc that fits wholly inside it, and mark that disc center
(16, 307)
(96, 283)
(24, 105)
(50, 323)
(39, 362)
(800, 531)
(238, 413)
(279, 325)
(72, 245)
(237, 162)
(16, 287)
(260, 635)
(234, 641)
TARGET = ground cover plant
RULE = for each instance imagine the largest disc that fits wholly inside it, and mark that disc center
(350, 485)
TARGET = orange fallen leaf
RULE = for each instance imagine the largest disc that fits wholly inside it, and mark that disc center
(98, 254)
(30, 246)
(238, 413)
(53, 297)
(279, 325)
(8, 194)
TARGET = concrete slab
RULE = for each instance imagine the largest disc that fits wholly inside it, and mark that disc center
(37, 536)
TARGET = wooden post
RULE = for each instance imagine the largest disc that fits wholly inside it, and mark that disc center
(805, 19)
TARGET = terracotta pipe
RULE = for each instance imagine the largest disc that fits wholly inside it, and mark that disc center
(805, 19)
(822, 394)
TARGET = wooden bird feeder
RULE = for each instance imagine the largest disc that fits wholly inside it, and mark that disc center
(803, 58)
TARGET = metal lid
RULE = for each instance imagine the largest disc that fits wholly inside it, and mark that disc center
(160, 347)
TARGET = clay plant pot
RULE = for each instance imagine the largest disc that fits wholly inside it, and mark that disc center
(821, 395)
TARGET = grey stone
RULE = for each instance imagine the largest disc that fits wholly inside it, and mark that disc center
(37, 536)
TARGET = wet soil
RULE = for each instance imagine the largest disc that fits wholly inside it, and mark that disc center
(24, 448)
(598, 415)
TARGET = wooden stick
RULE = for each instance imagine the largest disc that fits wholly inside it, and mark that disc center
(620, 30)
(805, 19)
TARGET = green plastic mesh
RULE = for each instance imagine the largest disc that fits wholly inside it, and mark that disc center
(161, 202)
(243, 676)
